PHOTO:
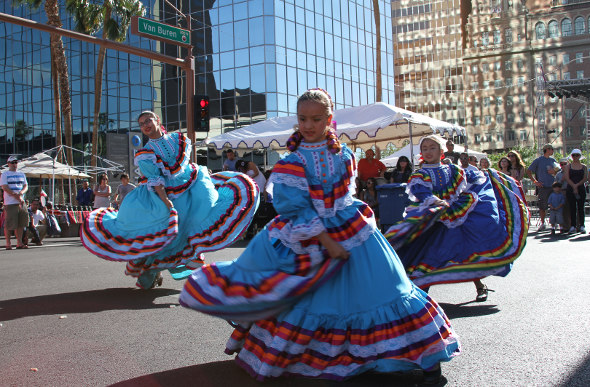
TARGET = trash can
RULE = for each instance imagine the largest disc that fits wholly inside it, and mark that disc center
(392, 202)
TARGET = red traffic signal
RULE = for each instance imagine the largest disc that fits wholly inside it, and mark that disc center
(201, 113)
(204, 102)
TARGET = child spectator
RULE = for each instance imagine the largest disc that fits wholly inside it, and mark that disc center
(556, 202)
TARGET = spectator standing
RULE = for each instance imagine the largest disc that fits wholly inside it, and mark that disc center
(556, 202)
(560, 178)
(504, 165)
(16, 218)
(576, 176)
(466, 162)
(102, 192)
(517, 167)
(450, 153)
(230, 163)
(544, 169)
(123, 189)
(250, 169)
(370, 167)
(85, 194)
(484, 163)
(402, 172)
(369, 196)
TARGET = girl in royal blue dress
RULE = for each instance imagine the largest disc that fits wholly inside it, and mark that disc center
(463, 225)
(319, 292)
(175, 214)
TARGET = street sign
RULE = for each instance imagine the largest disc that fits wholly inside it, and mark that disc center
(160, 31)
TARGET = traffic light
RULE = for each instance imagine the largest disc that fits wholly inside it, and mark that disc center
(202, 113)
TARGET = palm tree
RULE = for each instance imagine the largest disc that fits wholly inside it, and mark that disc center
(378, 76)
(58, 56)
(114, 18)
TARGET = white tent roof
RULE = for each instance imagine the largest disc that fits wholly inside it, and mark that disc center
(42, 165)
(391, 160)
(362, 126)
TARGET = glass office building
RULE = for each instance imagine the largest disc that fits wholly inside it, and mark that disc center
(252, 58)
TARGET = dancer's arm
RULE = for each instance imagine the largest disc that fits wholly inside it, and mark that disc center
(334, 248)
(162, 194)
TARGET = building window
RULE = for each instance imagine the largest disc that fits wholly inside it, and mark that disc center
(520, 81)
(500, 136)
(485, 38)
(566, 59)
(476, 120)
(474, 69)
(580, 74)
(474, 85)
(510, 118)
(566, 27)
(553, 60)
(487, 120)
(553, 77)
(497, 65)
(553, 29)
(486, 84)
(476, 102)
(508, 35)
(508, 65)
(499, 101)
(523, 135)
(508, 81)
(568, 114)
(520, 64)
(579, 57)
(498, 36)
(498, 83)
(499, 118)
(569, 131)
(521, 99)
(579, 26)
(486, 102)
(555, 113)
(477, 138)
(522, 116)
(540, 30)
(582, 131)
(519, 37)
(509, 100)
(566, 76)
(511, 135)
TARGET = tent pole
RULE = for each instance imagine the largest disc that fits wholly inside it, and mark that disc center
(411, 143)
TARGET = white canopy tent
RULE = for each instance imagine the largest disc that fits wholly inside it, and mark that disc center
(391, 160)
(360, 127)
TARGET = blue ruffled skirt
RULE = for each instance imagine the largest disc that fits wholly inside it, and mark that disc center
(210, 215)
(328, 318)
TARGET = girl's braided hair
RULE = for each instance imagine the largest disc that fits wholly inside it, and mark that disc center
(321, 96)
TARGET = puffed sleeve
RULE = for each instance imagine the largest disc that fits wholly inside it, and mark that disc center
(292, 200)
(146, 160)
(419, 188)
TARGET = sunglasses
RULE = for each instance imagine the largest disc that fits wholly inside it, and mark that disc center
(13, 162)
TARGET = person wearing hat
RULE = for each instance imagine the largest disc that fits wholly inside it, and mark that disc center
(544, 169)
(14, 184)
(576, 176)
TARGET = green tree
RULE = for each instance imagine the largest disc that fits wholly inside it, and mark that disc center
(58, 57)
(114, 19)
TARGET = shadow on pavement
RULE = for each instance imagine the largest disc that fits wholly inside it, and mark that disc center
(228, 373)
(581, 376)
(468, 309)
(84, 302)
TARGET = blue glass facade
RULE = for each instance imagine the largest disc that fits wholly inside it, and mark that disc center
(252, 58)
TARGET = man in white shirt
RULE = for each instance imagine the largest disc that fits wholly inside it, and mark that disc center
(37, 219)
(14, 184)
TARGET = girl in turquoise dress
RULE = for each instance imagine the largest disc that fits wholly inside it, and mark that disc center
(463, 225)
(319, 292)
(177, 212)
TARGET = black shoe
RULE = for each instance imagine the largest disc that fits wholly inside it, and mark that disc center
(482, 294)
(158, 281)
(432, 377)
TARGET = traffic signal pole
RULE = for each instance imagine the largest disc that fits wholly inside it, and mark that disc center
(187, 64)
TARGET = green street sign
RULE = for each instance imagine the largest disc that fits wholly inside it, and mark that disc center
(160, 31)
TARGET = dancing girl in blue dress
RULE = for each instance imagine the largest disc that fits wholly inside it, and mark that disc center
(319, 292)
(463, 225)
(177, 212)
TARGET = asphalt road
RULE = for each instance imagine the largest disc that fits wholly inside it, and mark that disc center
(71, 319)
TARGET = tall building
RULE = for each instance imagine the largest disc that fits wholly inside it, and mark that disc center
(252, 58)
(428, 51)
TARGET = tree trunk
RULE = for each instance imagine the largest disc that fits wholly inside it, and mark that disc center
(98, 91)
(56, 99)
(378, 75)
(57, 47)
